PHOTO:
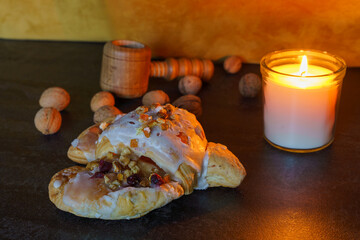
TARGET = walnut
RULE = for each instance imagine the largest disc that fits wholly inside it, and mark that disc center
(105, 112)
(156, 96)
(190, 85)
(250, 85)
(102, 99)
(232, 64)
(48, 120)
(191, 103)
(55, 97)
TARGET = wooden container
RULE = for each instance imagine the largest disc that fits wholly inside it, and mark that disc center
(125, 68)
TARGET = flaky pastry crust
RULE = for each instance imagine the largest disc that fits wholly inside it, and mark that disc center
(126, 203)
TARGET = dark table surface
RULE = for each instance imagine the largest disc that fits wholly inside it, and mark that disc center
(284, 196)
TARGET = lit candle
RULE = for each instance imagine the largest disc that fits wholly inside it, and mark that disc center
(300, 99)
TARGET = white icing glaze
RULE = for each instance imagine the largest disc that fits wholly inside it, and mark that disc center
(75, 142)
(57, 183)
(202, 183)
(163, 146)
(82, 189)
(90, 156)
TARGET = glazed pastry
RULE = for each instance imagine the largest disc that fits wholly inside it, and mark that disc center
(140, 162)
(78, 191)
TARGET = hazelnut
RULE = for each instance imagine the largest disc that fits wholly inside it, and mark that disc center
(232, 64)
(48, 120)
(190, 85)
(55, 97)
(250, 85)
(191, 103)
(105, 112)
(102, 99)
(156, 96)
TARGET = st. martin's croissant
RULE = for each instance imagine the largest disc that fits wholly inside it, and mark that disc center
(139, 162)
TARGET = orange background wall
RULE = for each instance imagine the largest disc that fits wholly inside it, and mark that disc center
(209, 29)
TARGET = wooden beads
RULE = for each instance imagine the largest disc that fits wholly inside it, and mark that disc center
(172, 68)
(48, 120)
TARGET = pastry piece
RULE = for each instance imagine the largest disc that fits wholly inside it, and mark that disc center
(223, 168)
(82, 192)
(151, 156)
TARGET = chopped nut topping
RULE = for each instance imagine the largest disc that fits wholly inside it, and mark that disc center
(141, 110)
(152, 123)
(92, 165)
(144, 118)
(169, 109)
(160, 120)
(154, 105)
(112, 156)
(104, 125)
(183, 137)
(114, 185)
(132, 164)
(116, 182)
(135, 169)
(109, 178)
(124, 160)
(133, 143)
(162, 113)
(116, 166)
(127, 173)
(164, 127)
(146, 132)
(125, 151)
(120, 177)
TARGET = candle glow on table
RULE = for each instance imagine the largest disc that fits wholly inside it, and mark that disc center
(300, 102)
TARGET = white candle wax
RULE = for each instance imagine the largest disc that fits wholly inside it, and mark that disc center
(299, 112)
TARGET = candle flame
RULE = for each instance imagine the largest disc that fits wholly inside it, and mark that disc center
(303, 66)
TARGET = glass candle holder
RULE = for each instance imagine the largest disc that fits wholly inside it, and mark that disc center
(301, 92)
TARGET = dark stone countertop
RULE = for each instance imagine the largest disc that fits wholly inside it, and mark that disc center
(284, 196)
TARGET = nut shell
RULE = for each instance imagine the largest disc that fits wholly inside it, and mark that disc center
(48, 120)
(232, 64)
(250, 85)
(105, 112)
(190, 85)
(191, 103)
(156, 96)
(55, 97)
(101, 99)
